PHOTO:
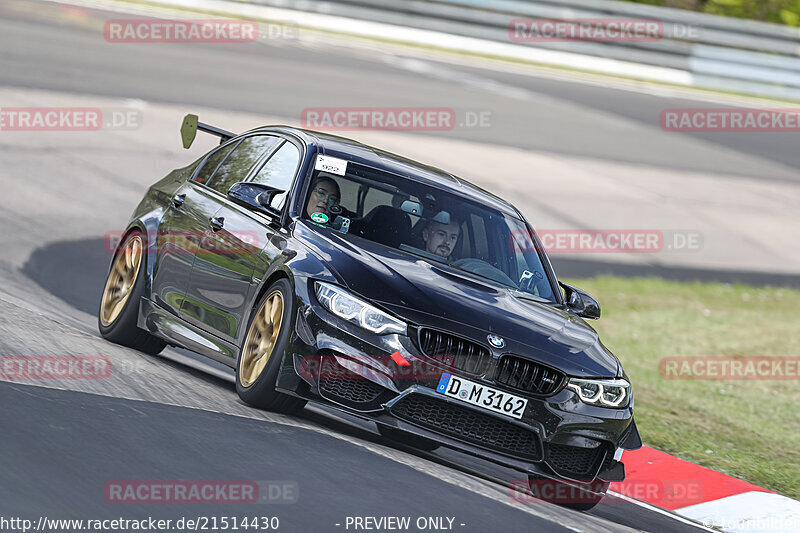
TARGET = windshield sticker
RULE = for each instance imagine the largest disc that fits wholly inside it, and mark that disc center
(331, 164)
(319, 218)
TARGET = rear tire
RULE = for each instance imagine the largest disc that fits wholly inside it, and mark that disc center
(119, 304)
(409, 439)
(263, 350)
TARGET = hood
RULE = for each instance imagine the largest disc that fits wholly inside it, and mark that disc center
(445, 298)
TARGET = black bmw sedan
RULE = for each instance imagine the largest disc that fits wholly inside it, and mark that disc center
(325, 270)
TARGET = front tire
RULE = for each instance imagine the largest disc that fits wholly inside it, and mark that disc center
(119, 304)
(263, 349)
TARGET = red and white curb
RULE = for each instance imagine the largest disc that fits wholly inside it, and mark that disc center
(704, 495)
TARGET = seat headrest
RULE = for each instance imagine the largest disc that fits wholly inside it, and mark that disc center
(387, 225)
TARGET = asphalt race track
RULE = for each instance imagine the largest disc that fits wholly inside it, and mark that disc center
(177, 416)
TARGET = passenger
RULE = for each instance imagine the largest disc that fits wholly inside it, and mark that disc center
(440, 239)
(325, 192)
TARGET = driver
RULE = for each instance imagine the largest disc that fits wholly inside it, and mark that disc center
(325, 193)
(440, 239)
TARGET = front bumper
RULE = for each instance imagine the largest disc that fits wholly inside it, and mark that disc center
(557, 437)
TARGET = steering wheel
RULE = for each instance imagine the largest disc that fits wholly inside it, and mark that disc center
(482, 268)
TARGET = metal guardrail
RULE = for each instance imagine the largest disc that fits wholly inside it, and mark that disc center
(714, 52)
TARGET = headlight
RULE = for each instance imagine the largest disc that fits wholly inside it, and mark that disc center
(357, 311)
(602, 392)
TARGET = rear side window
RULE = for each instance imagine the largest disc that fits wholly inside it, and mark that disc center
(237, 166)
(211, 164)
(279, 171)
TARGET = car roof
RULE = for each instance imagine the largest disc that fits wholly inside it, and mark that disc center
(360, 153)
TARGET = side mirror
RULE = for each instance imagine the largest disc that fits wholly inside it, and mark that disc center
(580, 302)
(255, 196)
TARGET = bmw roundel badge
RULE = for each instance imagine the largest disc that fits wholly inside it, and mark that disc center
(496, 341)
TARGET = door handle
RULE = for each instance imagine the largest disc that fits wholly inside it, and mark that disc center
(217, 223)
(178, 199)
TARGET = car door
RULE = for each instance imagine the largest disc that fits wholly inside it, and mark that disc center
(186, 215)
(220, 285)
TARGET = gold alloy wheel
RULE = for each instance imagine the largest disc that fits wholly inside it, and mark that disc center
(121, 280)
(261, 338)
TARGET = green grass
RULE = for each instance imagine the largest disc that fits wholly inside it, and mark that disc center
(775, 11)
(749, 429)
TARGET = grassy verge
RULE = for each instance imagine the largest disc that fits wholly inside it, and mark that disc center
(746, 428)
(776, 11)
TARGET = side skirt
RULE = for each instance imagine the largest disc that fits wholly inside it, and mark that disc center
(177, 332)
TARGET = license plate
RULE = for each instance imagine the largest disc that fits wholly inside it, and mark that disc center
(486, 397)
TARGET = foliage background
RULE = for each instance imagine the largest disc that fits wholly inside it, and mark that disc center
(777, 11)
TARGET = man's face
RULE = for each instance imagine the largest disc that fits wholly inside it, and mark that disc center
(323, 195)
(440, 238)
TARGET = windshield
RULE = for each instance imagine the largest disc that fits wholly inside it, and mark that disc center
(429, 223)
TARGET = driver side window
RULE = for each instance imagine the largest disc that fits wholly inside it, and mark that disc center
(279, 172)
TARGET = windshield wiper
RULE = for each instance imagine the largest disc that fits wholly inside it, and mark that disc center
(472, 272)
(422, 253)
(517, 292)
(530, 296)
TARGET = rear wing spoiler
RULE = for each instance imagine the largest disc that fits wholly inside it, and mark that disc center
(191, 126)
